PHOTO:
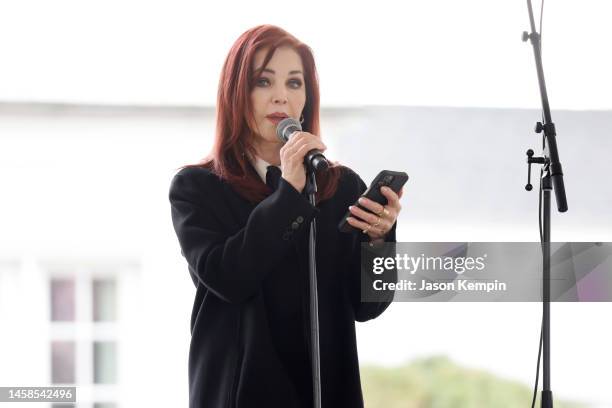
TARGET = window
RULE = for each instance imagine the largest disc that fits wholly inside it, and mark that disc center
(62, 362)
(104, 362)
(83, 317)
(62, 300)
(104, 300)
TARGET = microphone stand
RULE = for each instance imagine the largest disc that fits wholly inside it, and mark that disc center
(552, 179)
(313, 161)
(311, 189)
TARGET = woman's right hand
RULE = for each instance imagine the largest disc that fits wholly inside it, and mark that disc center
(292, 157)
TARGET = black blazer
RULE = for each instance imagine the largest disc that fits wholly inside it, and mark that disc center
(249, 264)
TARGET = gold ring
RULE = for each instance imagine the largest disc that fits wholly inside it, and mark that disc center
(385, 210)
(377, 222)
(365, 231)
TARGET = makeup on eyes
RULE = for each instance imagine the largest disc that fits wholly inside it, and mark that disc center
(297, 81)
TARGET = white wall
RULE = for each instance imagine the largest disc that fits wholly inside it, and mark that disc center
(91, 183)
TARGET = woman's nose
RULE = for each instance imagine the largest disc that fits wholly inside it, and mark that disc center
(280, 96)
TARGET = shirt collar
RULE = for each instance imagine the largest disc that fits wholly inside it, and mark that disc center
(261, 166)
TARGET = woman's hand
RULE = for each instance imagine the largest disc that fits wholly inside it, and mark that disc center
(376, 222)
(292, 157)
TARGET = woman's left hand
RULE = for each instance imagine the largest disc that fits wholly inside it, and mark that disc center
(376, 222)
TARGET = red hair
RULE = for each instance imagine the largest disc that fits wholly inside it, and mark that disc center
(235, 123)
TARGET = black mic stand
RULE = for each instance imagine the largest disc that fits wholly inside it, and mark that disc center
(311, 188)
(552, 177)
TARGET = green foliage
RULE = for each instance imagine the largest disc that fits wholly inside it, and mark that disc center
(437, 382)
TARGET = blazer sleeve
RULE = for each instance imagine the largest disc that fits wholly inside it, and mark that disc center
(361, 279)
(232, 265)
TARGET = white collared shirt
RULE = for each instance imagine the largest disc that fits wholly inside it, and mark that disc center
(261, 166)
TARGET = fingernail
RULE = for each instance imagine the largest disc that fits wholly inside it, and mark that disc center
(350, 207)
(362, 200)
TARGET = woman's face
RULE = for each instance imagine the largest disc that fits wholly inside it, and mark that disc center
(279, 90)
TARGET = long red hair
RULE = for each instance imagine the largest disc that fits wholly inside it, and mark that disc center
(234, 123)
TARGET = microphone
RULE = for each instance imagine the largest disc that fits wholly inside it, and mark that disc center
(314, 159)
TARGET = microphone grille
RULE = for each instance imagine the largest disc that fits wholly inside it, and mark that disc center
(286, 127)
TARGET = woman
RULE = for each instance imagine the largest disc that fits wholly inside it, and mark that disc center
(246, 241)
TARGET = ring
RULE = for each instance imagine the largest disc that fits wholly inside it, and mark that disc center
(385, 210)
(365, 231)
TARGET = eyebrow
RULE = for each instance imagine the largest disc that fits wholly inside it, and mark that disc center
(272, 71)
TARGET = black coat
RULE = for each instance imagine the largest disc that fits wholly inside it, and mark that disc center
(249, 323)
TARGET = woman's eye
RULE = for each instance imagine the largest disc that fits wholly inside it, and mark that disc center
(295, 83)
(262, 82)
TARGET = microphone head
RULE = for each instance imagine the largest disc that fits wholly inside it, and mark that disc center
(286, 127)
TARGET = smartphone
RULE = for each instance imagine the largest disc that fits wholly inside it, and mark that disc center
(393, 179)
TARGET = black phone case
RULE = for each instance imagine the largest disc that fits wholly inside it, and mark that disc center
(374, 194)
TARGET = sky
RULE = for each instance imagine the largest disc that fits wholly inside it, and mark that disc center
(434, 53)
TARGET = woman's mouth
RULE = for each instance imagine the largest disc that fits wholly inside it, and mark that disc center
(274, 119)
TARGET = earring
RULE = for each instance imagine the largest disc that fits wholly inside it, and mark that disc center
(302, 118)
